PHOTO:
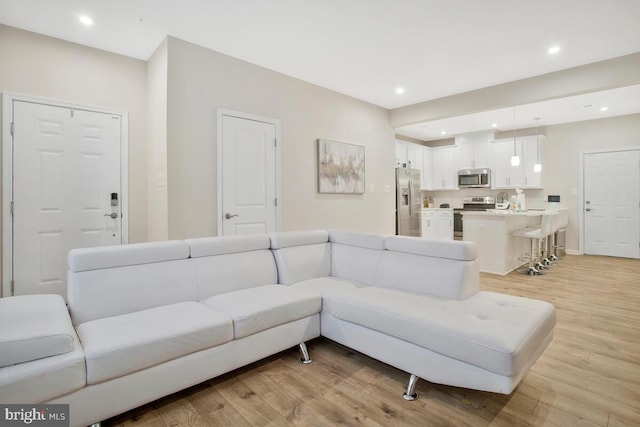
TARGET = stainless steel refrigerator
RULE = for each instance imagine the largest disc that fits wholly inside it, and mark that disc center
(408, 202)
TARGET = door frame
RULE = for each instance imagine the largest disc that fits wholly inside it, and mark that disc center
(7, 172)
(221, 112)
(581, 236)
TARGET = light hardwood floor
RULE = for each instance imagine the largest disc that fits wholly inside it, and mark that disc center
(588, 376)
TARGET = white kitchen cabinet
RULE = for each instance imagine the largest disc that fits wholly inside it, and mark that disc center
(437, 224)
(444, 168)
(428, 224)
(503, 175)
(473, 150)
(444, 224)
(427, 169)
(401, 153)
(414, 157)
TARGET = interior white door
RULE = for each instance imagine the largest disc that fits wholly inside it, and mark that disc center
(248, 176)
(66, 167)
(612, 204)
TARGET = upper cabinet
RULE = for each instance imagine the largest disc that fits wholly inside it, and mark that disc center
(445, 172)
(473, 150)
(504, 175)
(427, 165)
(401, 153)
(416, 156)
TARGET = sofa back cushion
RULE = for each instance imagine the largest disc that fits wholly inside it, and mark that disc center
(231, 263)
(301, 255)
(113, 280)
(447, 269)
(355, 256)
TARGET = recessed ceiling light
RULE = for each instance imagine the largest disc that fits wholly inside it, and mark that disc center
(494, 125)
(554, 50)
(604, 108)
(400, 90)
(444, 132)
(86, 20)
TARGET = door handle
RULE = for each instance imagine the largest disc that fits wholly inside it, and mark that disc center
(229, 216)
(588, 209)
(113, 215)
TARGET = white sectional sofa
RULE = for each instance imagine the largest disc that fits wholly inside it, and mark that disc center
(147, 320)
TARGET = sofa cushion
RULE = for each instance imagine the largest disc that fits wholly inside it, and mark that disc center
(439, 277)
(33, 327)
(493, 331)
(115, 291)
(119, 345)
(329, 288)
(231, 263)
(301, 255)
(263, 307)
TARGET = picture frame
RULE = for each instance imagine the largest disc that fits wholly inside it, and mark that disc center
(341, 167)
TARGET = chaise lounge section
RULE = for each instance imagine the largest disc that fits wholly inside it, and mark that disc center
(147, 320)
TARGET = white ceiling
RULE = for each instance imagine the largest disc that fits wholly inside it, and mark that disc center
(616, 102)
(361, 48)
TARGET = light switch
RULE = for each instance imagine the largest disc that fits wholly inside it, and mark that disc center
(387, 188)
(574, 191)
(372, 188)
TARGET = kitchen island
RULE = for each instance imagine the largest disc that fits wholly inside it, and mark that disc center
(499, 252)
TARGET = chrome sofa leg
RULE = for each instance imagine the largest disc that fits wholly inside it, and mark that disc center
(98, 424)
(305, 354)
(411, 394)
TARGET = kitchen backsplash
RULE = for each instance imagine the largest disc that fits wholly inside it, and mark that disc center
(535, 198)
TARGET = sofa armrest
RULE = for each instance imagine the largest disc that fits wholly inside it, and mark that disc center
(33, 327)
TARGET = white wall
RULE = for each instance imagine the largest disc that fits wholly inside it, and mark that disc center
(563, 147)
(157, 220)
(201, 80)
(37, 65)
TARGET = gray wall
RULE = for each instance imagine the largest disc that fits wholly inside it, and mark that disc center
(201, 80)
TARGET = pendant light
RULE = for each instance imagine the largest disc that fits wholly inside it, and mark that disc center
(515, 160)
(538, 166)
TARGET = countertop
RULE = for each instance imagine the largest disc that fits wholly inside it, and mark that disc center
(508, 212)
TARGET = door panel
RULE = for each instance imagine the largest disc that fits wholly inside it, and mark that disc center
(248, 176)
(66, 164)
(612, 204)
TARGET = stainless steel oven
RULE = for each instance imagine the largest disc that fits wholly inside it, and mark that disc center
(470, 204)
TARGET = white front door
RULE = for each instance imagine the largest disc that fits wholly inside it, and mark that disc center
(612, 204)
(249, 172)
(66, 185)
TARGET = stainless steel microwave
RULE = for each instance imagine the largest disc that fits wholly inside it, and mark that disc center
(474, 178)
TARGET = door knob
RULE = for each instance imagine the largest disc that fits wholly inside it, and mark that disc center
(229, 216)
(113, 215)
(588, 209)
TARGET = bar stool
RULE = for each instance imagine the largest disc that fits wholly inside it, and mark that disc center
(538, 237)
(562, 222)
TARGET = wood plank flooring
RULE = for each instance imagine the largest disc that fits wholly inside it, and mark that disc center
(588, 376)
